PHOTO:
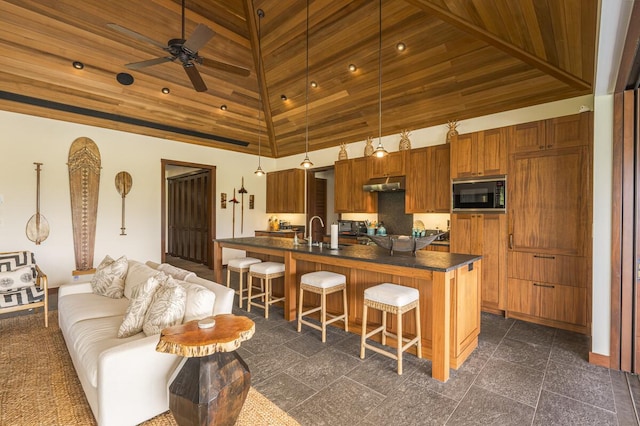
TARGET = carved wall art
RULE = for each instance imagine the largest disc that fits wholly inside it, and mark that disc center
(84, 183)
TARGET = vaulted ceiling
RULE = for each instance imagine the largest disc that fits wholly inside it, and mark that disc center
(463, 59)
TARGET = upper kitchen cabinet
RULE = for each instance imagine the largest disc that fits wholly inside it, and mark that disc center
(350, 176)
(428, 183)
(479, 154)
(392, 164)
(555, 133)
(285, 191)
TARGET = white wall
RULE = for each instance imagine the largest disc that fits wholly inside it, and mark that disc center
(26, 139)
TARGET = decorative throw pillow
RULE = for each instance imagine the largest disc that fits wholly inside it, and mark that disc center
(175, 272)
(109, 277)
(140, 300)
(17, 279)
(137, 274)
(166, 309)
(200, 301)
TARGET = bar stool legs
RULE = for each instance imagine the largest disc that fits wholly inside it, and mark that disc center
(266, 272)
(240, 265)
(391, 299)
(322, 283)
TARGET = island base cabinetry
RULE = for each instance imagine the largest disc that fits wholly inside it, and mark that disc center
(464, 323)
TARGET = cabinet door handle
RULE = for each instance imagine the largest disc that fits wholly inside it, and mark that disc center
(511, 241)
(544, 285)
(542, 256)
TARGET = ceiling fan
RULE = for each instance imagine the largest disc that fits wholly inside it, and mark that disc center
(184, 51)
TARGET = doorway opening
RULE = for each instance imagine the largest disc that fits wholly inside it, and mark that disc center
(188, 211)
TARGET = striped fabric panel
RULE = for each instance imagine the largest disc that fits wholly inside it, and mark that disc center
(20, 297)
(18, 259)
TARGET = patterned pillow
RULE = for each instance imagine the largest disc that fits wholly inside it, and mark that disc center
(109, 277)
(200, 301)
(17, 279)
(175, 272)
(140, 300)
(166, 309)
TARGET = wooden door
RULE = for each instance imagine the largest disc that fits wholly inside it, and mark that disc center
(189, 216)
(317, 206)
(440, 185)
(494, 261)
(527, 137)
(272, 192)
(569, 131)
(492, 152)
(362, 202)
(548, 201)
(463, 234)
(417, 181)
(463, 156)
(342, 186)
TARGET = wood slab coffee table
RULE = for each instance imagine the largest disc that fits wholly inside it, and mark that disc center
(213, 383)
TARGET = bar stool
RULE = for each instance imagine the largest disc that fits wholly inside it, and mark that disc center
(393, 299)
(266, 271)
(240, 265)
(323, 283)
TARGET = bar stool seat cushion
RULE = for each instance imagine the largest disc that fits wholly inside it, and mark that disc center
(392, 294)
(242, 262)
(267, 268)
(323, 279)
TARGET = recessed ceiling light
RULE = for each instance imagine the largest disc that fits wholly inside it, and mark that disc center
(353, 67)
(314, 84)
(283, 97)
(78, 65)
(124, 78)
(223, 107)
(401, 47)
(166, 90)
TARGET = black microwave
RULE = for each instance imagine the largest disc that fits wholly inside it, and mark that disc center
(479, 195)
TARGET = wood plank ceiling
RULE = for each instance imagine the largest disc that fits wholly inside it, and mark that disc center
(464, 59)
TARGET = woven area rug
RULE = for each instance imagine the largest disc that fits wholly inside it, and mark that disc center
(39, 386)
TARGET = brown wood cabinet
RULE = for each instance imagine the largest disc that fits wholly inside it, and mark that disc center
(392, 164)
(549, 208)
(486, 235)
(285, 191)
(350, 176)
(428, 183)
(480, 154)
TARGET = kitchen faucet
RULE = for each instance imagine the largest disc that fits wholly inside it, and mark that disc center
(310, 229)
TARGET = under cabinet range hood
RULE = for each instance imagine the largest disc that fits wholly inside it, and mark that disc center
(385, 184)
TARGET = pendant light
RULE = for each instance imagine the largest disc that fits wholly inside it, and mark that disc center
(306, 163)
(259, 171)
(380, 151)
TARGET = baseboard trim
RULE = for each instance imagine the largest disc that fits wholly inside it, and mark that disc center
(599, 359)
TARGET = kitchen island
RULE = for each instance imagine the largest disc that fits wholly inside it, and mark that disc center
(449, 286)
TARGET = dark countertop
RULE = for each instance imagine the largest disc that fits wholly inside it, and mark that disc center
(424, 259)
(355, 237)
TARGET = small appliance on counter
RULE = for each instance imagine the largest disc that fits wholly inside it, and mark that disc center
(352, 227)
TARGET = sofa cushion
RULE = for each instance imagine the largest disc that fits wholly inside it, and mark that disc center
(166, 309)
(137, 274)
(109, 277)
(92, 337)
(17, 279)
(200, 301)
(140, 300)
(78, 307)
(175, 272)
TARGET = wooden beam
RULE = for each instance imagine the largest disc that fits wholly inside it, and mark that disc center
(481, 34)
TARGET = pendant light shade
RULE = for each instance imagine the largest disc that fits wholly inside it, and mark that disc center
(306, 163)
(380, 151)
(259, 171)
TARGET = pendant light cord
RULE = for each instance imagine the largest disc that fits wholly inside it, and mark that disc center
(306, 111)
(260, 15)
(380, 76)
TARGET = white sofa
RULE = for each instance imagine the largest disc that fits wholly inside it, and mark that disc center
(124, 379)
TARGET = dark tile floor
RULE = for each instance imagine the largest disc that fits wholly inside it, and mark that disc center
(520, 374)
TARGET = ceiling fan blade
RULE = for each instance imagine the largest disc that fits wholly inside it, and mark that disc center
(148, 63)
(194, 76)
(212, 63)
(136, 35)
(201, 35)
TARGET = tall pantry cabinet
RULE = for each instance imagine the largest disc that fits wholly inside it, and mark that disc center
(549, 222)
